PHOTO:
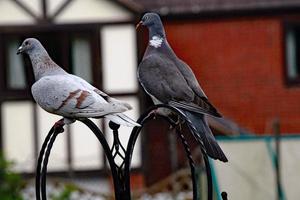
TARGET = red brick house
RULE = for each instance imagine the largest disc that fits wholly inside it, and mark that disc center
(244, 54)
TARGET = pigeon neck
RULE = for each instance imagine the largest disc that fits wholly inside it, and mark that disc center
(43, 65)
(156, 41)
(157, 33)
(157, 30)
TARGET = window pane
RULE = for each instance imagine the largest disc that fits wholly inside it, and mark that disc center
(15, 72)
(58, 156)
(86, 150)
(119, 58)
(81, 58)
(124, 132)
(18, 134)
(291, 54)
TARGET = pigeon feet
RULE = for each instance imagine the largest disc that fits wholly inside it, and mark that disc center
(176, 122)
(59, 126)
(179, 122)
(154, 113)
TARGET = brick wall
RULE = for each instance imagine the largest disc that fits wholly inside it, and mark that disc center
(240, 65)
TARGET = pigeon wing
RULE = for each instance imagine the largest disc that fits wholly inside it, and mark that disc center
(200, 105)
(161, 79)
(107, 98)
(190, 77)
(61, 95)
(200, 99)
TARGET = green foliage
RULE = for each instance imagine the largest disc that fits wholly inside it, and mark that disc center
(10, 182)
(66, 193)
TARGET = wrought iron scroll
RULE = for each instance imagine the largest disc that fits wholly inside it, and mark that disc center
(121, 172)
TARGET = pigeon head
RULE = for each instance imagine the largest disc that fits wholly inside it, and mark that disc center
(41, 62)
(29, 45)
(153, 22)
(150, 19)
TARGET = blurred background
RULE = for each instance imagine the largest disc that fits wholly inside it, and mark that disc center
(245, 54)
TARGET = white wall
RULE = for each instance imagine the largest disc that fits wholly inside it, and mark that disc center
(250, 171)
(78, 11)
(18, 138)
(11, 14)
(119, 58)
(92, 11)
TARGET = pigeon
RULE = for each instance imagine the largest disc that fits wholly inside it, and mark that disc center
(169, 80)
(67, 95)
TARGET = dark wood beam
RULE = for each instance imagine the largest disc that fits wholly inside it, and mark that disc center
(26, 9)
(60, 9)
(44, 9)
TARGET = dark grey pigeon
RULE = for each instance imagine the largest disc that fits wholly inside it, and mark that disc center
(169, 80)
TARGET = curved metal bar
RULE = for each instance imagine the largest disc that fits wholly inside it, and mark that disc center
(208, 176)
(130, 147)
(146, 116)
(45, 153)
(117, 184)
(39, 165)
(41, 171)
(121, 185)
(189, 156)
(45, 163)
(192, 164)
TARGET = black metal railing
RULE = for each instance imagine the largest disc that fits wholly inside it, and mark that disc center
(121, 172)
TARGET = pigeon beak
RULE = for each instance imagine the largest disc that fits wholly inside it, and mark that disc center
(20, 50)
(138, 25)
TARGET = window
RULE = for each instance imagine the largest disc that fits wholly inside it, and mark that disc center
(119, 58)
(86, 52)
(16, 78)
(81, 58)
(293, 53)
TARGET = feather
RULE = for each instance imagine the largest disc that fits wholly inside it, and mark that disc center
(122, 119)
(203, 134)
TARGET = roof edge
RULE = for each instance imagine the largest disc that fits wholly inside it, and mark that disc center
(232, 13)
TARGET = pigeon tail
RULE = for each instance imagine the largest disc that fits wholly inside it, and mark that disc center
(201, 131)
(122, 119)
(121, 103)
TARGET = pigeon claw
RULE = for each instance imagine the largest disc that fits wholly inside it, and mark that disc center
(152, 114)
(59, 126)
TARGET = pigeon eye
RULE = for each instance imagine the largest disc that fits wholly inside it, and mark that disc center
(146, 18)
(26, 43)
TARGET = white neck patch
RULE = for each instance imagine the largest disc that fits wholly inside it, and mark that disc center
(156, 41)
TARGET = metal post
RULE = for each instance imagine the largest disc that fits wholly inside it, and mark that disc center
(276, 128)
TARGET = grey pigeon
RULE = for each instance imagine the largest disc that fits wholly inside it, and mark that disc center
(169, 80)
(61, 93)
